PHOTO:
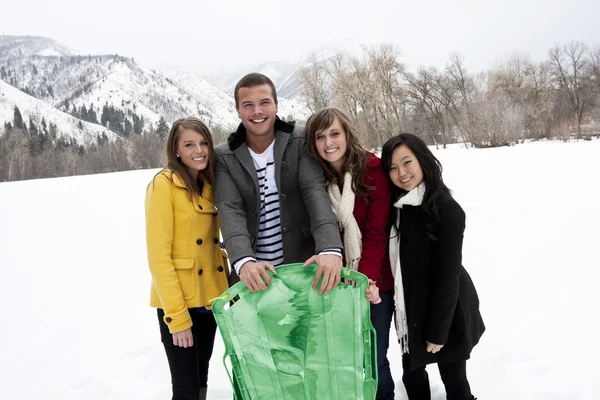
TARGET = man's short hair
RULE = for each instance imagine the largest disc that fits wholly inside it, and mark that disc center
(251, 80)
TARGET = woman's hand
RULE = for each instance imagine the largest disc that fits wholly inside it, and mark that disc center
(373, 293)
(434, 348)
(184, 338)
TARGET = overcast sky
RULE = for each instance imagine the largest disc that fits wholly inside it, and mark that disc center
(208, 36)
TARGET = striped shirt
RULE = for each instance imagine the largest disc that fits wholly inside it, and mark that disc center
(269, 245)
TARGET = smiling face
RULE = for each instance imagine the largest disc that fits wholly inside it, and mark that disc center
(257, 109)
(331, 144)
(193, 150)
(405, 170)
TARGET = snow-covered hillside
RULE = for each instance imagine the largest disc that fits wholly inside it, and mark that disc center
(36, 109)
(75, 282)
(54, 74)
(68, 82)
(32, 46)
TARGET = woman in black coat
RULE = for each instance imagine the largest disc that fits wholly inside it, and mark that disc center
(437, 308)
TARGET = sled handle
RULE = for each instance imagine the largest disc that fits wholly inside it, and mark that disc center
(236, 385)
(371, 354)
(232, 294)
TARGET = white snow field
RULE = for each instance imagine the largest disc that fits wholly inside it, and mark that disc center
(74, 284)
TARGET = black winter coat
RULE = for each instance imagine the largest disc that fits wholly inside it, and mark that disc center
(442, 306)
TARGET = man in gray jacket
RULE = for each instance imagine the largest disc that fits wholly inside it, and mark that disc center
(270, 195)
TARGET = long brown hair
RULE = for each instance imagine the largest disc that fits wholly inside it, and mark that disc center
(356, 158)
(174, 163)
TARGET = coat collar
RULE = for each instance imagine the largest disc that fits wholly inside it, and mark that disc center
(207, 192)
(237, 143)
(239, 136)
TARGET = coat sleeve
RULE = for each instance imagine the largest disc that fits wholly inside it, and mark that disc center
(323, 224)
(375, 236)
(159, 240)
(232, 216)
(447, 270)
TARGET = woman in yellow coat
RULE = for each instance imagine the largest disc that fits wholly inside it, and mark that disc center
(187, 264)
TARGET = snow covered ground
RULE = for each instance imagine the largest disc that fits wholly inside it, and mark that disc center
(75, 285)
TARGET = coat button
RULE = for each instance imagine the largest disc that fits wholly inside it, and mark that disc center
(283, 164)
(216, 240)
(220, 269)
(282, 196)
(200, 272)
(199, 206)
(284, 230)
(168, 319)
(199, 242)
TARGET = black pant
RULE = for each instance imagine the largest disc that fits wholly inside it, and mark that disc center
(454, 376)
(381, 318)
(189, 366)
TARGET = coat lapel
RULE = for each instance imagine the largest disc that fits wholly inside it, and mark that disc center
(245, 159)
(281, 142)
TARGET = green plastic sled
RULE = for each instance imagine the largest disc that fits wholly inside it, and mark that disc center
(289, 342)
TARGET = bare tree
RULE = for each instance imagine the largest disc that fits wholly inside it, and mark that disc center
(568, 64)
(316, 90)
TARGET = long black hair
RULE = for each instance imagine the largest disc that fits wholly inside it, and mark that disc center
(432, 176)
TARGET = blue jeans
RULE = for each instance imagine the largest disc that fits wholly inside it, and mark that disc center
(381, 318)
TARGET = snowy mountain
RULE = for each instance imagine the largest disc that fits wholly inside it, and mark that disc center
(70, 82)
(32, 46)
(280, 72)
(53, 74)
(30, 107)
(285, 74)
(115, 91)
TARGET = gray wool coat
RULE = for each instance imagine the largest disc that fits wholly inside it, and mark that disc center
(308, 224)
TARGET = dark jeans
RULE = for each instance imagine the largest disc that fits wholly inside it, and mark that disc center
(454, 376)
(381, 318)
(189, 367)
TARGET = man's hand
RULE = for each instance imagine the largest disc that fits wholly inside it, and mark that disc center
(434, 348)
(329, 266)
(373, 293)
(184, 338)
(255, 276)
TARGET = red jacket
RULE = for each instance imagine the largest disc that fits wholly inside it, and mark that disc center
(372, 218)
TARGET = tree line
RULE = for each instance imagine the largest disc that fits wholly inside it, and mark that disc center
(516, 100)
(32, 151)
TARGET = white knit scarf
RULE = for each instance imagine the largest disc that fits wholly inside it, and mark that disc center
(412, 198)
(343, 207)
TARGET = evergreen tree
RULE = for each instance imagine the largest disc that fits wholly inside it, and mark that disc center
(91, 115)
(17, 118)
(80, 125)
(162, 129)
(52, 131)
(105, 115)
(138, 124)
(50, 91)
(32, 127)
(127, 127)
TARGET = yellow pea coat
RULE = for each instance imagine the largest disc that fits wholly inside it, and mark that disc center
(188, 266)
